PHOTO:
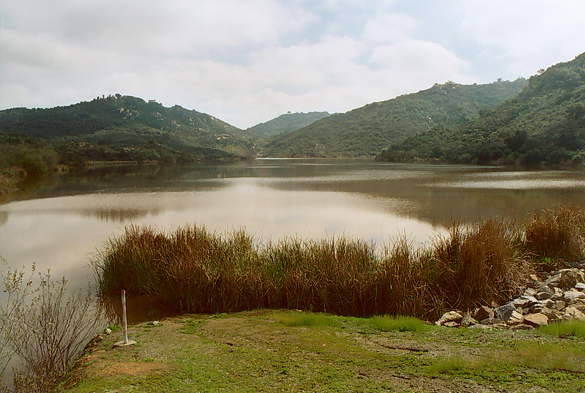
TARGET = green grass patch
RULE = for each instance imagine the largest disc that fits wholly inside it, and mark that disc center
(401, 324)
(306, 319)
(572, 328)
(267, 351)
(191, 326)
(552, 357)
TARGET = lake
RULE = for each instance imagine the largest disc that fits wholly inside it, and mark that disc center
(61, 224)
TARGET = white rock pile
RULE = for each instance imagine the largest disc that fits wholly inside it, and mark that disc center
(556, 296)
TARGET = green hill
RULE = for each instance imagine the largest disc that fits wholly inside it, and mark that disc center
(122, 128)
(285, 123)
(544, 124)
(366, 131)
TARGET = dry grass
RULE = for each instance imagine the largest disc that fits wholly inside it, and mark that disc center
(202, 272)
(557, 234)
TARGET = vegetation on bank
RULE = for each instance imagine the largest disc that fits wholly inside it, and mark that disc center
(544, 124)
(202, 272)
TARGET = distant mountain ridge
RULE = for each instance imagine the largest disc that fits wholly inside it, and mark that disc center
(366, 131)
(285, 123)
(544, 124)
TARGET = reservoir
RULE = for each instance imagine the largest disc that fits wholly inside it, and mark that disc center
(62, 223)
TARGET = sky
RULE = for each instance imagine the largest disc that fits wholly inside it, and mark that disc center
(248, 61)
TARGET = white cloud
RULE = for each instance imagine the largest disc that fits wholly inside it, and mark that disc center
(248, 61)
(389, 28)
(525, 35)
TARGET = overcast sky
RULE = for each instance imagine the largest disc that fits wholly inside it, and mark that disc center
(248, 61)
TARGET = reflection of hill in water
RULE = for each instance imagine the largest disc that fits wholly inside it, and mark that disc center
(118, 215)
(427, 200)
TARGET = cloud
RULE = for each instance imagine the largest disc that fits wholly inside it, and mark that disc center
(525, 36)
(248, 61)
(389, 28)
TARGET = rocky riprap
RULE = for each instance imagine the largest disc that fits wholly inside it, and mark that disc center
(549, 297)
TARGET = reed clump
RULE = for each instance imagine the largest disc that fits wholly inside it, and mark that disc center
(199, 271)
(557, 234)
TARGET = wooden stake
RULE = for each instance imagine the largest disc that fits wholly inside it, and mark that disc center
(124, 325)
(124, 319)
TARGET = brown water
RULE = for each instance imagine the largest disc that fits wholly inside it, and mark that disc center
(272, 199)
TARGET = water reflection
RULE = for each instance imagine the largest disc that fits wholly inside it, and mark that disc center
(62, 226)
(117, 215)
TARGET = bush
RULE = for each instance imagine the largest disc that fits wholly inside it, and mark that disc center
(44, 328)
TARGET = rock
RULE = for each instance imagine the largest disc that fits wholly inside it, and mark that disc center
(536, 320)
(534, 282)
(525, 301)
(468, 320)
(555, 316)
(489, 321)
(579, 304)
(521, 310)
(544, 292)
(515, 319)
(536, 308)
(482, 313)
(548, 303)
(547, 311)
(573, 294)
(451, 324)
(566, 278)
(504, 312)
(573, 313)
(559, 305)
(108, 331)
(529, 292)
(580, 286)
(450, 316)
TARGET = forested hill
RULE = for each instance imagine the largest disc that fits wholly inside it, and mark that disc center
(286, 122)
(366, 131)
(125, 128)
(86, 118)
(544, 124)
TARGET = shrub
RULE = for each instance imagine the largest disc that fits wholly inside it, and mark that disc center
(44, 328)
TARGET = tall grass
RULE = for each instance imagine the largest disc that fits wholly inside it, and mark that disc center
(572, 327)
(199, 271)
(557, 234)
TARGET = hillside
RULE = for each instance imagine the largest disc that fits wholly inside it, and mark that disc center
(367, 130)
(121, 128)
(285, 123)
(544, 124)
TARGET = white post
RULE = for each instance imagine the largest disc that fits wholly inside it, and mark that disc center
(124, 320)
(124, 325)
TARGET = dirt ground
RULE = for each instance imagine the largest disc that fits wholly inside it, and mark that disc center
(254, 352)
